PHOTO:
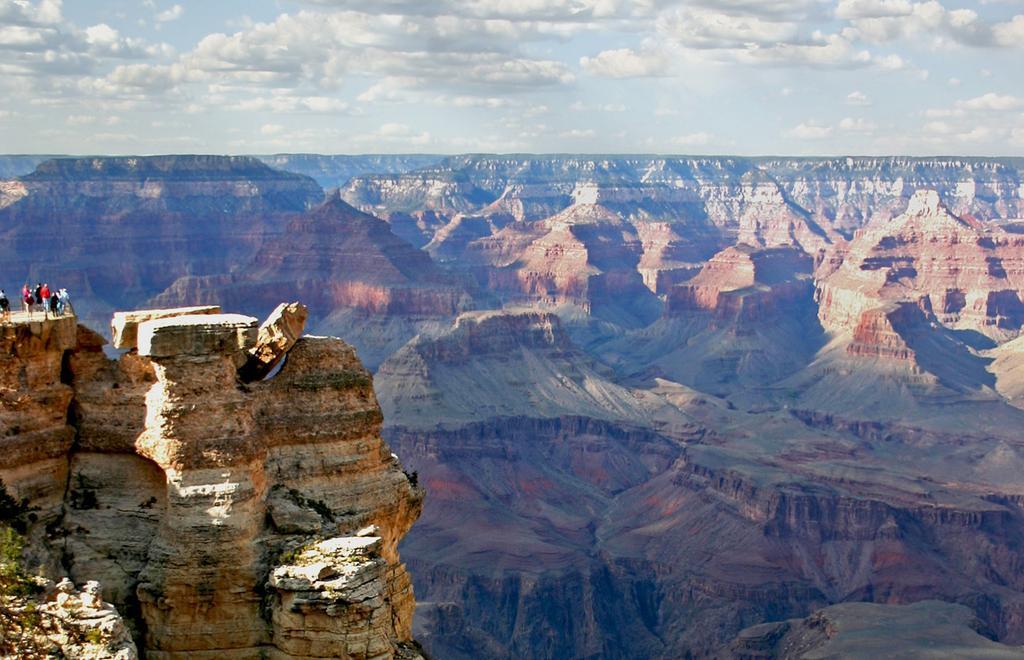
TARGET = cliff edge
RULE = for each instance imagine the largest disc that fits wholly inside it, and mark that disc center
(225, 483)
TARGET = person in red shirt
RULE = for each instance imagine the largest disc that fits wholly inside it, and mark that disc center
(44, 293)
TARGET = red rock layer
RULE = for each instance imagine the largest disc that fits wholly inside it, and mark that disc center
(879, 333)
(972, 274)
(585, 256)
(333, 257)
(743, 284)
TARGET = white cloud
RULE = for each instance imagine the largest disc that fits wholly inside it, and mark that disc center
(704, 28)
(992, 101)
(578, 133)
(825, 51)
(855, 9)
(858, 98)
(172, 14)
(573, 11)
(881, 21)
(580, 106)
(1009, 34)
(626, 63)
(23, 13)
(857, 125)
(283, 103)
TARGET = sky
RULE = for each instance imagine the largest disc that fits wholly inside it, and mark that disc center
(746, 77)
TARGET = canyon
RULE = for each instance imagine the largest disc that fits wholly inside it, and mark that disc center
(657, 405)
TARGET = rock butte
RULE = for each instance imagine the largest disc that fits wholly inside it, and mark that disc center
(224, 516)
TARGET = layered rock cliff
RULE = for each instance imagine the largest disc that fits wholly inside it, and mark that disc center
(971, 273)
(585, 256)
(126, 228)
(713, 200)
(224, 517)
(928, 629)
(360, 280)
(331, 171)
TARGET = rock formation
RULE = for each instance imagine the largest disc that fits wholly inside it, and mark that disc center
(126, 228)
(82, 625)
(514, 363)
(585, 256)
(972, 274)
(223, 515)
(711, 200)
(336, 170)
(928, 629)
(744, 284)
(356, 276)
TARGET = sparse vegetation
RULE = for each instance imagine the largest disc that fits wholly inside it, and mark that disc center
(83, 496)
(20, 624)
(317, 505)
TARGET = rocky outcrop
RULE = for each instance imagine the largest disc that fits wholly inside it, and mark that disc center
(349, 268)
(275, 338)
(971, 273)
(743, 285)
(766, 201)
(200, 501)
(928, 629)
(124, 327)
(585, 256)
(506, 364)
(331, 171)
(878, 333)
(82, 625)
(35, 398)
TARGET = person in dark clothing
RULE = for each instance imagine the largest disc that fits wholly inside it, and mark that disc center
(53, 304)
(37, 296)
(5, 307)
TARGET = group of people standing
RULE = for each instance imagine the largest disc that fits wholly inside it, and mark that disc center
(52, 303)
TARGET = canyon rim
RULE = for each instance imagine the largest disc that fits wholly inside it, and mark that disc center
(575, 329)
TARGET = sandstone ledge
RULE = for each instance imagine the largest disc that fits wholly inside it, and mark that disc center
(197, 335)
(125, 325)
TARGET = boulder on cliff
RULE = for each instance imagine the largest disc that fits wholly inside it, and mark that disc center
(275, 338)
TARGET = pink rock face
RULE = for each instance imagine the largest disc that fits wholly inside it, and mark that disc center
(972, 274)
(743, 284)
(333, 257)
(876, 334)
(585, 256)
